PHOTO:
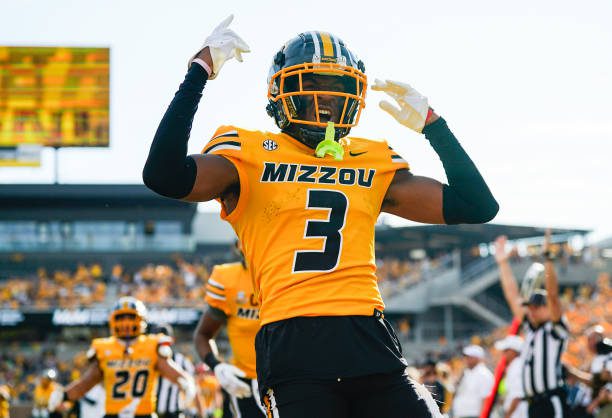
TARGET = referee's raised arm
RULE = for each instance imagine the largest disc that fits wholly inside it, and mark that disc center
(550, 281)
(507, 279)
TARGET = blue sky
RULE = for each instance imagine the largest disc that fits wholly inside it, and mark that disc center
(526, 86)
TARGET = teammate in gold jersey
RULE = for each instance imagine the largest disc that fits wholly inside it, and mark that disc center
(231, 301)
(128, 364)
(304, 202)
(5, 397)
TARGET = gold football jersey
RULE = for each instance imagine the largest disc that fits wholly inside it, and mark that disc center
(230, 289)
(130, 372)
(208, 387)
(307, 224)
(5, 395)
(42, 394)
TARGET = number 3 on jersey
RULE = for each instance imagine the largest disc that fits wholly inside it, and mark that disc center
(330, 230)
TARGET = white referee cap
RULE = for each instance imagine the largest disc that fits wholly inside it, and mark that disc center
(475, 351)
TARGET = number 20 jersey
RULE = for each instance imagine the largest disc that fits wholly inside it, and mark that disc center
(307, 224)
(129, 373)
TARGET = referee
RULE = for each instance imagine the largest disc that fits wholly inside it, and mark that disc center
(546, 335)
(169, 404)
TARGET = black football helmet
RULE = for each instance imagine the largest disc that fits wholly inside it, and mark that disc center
(308, 56)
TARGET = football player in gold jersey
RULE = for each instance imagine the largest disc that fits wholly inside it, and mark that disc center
(231, 301)
(304, 202)
(5, 397)
(128, 364)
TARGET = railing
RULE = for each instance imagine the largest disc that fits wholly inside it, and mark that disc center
(103, 243)
(494, 305)
(444, 264)
(431, 331)
(476, 268)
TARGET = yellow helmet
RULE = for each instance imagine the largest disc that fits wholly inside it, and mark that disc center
(128, 319)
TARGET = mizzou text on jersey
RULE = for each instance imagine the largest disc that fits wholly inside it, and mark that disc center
(129, 372)
(306, 223)
(230, 289)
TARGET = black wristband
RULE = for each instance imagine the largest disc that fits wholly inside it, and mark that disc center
(65, 397)
(211, 360)
(549, 255)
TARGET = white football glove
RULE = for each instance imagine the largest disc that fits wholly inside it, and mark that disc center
(224, 45)
(413, 107)
(188, 387)
(228, 375)
(55, 399)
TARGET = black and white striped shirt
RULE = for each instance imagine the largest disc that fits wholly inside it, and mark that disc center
(541, 356)
(168, 399)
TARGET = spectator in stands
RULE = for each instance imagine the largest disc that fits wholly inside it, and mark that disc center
(46, 386)
(514, 405)
(447, 379)
(578, 397)
(604, 398)
(431, 380)
(601, 371)
(474, 386)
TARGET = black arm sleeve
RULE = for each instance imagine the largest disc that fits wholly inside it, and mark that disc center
(466, 198)
(168, 170)
(217, 313)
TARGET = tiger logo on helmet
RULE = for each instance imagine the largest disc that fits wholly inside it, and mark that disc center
(128, 318)
(313, 56)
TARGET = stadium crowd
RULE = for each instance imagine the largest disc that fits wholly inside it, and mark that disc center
(83, 287)
(181, 283)
(91, 285)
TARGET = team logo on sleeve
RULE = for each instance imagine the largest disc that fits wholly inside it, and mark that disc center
(270, 145)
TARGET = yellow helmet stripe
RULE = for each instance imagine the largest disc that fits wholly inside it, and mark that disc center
(328, 47)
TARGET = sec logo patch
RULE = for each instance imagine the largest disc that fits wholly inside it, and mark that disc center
(270, 145)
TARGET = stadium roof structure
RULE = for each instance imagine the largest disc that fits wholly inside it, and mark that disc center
(70, 202)
(443, 238)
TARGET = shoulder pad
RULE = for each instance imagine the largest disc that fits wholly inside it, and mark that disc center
(164, 340)
(91, 354)
(164, 350)
(226, 137)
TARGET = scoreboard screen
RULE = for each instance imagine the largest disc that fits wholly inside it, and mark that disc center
(54, 96)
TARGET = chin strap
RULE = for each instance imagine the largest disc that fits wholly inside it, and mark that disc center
(329, 145)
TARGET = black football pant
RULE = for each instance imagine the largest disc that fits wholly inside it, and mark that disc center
(375, 396)
(553, 406)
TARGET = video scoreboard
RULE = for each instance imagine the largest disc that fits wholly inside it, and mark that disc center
(54, 96)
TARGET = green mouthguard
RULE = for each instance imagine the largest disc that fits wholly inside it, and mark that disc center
(329, 146)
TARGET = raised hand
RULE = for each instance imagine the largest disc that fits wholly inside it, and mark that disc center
(413, 107)
(501, 254)
(220, 46)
